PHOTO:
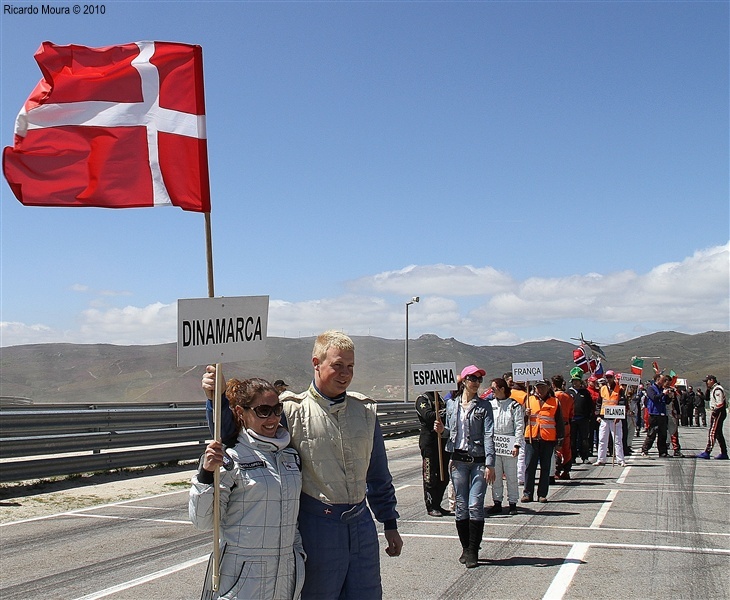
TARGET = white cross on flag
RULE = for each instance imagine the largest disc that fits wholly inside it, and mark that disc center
(115, 127)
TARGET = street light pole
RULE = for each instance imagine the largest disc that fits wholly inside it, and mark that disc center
(413, 300)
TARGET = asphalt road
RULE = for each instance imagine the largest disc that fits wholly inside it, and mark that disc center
(657, 528)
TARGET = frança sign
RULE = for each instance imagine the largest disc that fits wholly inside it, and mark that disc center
(221, 330)
(527, 371)
(433, 377)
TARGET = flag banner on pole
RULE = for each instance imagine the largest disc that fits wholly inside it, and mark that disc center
(580, 358)
(596, 367)
(637, 366)
(113, 127)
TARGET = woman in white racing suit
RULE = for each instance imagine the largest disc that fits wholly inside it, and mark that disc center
(261, 551)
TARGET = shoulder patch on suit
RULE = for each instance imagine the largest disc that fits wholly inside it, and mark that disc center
(292, 397)
(360, 397)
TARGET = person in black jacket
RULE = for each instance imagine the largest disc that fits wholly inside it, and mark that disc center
(428, 441)
(580, 425)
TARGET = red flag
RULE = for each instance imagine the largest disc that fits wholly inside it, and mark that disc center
(580, 358)
(114, 127)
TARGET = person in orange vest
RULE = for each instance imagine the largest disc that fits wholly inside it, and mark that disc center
(545, 426)
(567, 403)
(611, 395)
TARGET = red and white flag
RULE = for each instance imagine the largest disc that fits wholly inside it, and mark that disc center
(114, 127)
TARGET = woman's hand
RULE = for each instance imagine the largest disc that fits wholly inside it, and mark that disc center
(438, 427)
(213, 457)
(208, 382)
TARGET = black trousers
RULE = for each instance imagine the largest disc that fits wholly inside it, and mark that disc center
(433, 486)
(580, 438)
(658, 425)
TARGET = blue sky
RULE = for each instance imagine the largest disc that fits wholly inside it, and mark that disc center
(531, 170)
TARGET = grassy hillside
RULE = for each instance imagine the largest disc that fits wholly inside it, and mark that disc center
(71, 373)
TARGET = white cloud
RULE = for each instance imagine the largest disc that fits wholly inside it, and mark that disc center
(14, 334)
(434, 279)
(476, 305)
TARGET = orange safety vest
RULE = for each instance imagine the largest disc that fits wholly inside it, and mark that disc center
(608, 397)
(542, 419)
(518, 396)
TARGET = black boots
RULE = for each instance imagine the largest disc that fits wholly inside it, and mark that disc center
(470, 536)
(476, 530)
(462, 528)
(496, 509)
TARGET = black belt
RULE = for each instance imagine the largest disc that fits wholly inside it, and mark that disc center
(462, 456)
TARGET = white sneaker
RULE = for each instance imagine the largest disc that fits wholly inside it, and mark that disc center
(622, 464)
(598, 463)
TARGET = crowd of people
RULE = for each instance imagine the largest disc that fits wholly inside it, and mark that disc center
(300, 476)
(547, 429)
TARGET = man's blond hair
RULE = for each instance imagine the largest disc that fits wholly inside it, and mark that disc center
(329, 339)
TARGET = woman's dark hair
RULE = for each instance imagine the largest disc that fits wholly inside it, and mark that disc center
(502, 384)
(244, 394)
(558, 381)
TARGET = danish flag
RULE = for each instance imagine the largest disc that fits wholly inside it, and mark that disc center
(114, 127)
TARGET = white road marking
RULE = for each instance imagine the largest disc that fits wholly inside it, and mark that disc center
(147, 578)
(173, 521)
(607, 545)
(561, 582)
(603, 511)
(623, 476)
(96, 507)
(504, 522)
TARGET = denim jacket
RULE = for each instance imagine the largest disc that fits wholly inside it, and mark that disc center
(480, 440)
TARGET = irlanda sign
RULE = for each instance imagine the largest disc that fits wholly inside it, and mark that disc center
(221, 330)
(433, 377)
(527, 371)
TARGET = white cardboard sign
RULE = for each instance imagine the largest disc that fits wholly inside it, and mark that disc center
(629, 379)
(504, 444)
(527, 371)
(614, 412)
(221, 330)
(433, 377)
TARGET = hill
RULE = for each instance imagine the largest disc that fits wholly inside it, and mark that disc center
(97, 373)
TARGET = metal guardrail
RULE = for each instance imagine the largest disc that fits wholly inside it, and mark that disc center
(38, 441)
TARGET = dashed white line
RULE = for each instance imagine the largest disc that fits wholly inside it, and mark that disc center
(564, 577)
(603, 511)
(623, 476)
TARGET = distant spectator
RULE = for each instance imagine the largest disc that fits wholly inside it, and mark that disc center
(656, 404)
(509, 420)
(637, 407)
(431, 445)
(700, 409)
(544, 428)
(564, 452)
(718, 408)
(281, 386)
(580, 426)
(595, 391)
(673, 419)
(470, 427)
(611, 395)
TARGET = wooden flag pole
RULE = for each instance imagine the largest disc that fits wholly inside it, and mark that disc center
(215, 581)
(438, 438)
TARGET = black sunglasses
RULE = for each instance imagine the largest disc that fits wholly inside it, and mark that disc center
(474, 378)
(264, 411)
